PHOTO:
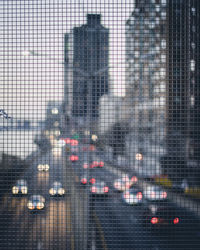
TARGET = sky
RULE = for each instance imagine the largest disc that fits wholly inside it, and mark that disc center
(28, 82)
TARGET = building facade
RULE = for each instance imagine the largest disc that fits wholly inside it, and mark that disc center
(87, 66)
(146, 84)
(183, 99)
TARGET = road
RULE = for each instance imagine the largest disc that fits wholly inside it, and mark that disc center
(120, 226)
(78, 221)
(52, 228)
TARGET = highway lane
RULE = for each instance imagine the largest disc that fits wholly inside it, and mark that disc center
(121, 225)
(48, 229)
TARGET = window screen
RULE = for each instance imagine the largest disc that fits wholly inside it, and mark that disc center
(99, 124)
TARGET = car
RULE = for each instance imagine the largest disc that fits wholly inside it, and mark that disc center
(122, 184)
(99, 188)
(97, 164)
(73, 158)
(155, 193)
(57, 189)
(85, 180)
(132, 196)
(160, 216)
(85, 165)
(20, 187)
(43, 167)
(36, 202)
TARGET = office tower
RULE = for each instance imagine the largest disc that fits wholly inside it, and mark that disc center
(87, 66)
(183, 109)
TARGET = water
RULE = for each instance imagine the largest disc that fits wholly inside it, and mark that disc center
(18, 142)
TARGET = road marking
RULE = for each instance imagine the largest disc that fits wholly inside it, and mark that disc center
(98, 224)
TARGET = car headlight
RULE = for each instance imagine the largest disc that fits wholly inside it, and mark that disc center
(61, 191)
(52, 191)
(24, 190)
(40, 167)
(15, 190)
(30, 205)
(40, 205)
(46, 167)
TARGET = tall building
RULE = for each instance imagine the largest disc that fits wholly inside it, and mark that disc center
(146, 84)
(183, 109)
(87, 66)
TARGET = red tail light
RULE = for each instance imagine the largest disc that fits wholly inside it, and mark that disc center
(67, 140)
(153, 195)
(85, 165)
(92, 180)
(164, 195)
(84, 181)
(126, 195)
(74, 142)
(93, 189)
(101, 164)
(106, 189)
(134, 179)
(139, 195)
(176, 220)
(95, 163)
(154, 220)
(73, 158)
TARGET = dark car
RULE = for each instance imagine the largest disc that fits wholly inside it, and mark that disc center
(99, 189)
(158, 217)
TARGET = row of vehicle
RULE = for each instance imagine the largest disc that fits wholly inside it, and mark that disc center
(37, 202)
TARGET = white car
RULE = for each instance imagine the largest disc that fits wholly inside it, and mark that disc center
(132, 197)
(122, 184)
(43, 167)
(99, 188)
(21, 187)
(155, 193)
(57, 189)
(36, 202)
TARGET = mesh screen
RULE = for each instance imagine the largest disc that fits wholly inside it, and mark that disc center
(99, 124)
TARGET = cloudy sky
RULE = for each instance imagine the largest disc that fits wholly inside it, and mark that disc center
(28, 82)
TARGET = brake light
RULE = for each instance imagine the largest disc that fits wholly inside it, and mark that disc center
(93, 189)
(154, 220)
(84, 181)
(126, 195)
(101, 164)
(134, 179)
(95, 163)
(73, 158)
(139, 195)
(85, 165)
(176, 220)
(164, 195)
(92, 180)
(153, 195)
(74, 142)
(67, 140)
(106, 189)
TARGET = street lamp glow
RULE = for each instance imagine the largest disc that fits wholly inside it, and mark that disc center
(54, 111)
(138, 157)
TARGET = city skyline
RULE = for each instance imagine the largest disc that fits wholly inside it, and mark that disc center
(24, 30)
